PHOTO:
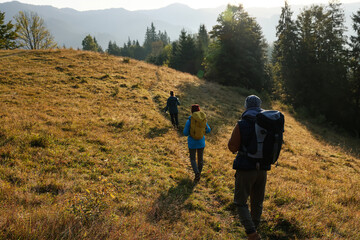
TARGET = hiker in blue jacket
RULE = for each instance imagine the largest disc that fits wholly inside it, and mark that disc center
(171, 105)
(196, 146)
(250, 176)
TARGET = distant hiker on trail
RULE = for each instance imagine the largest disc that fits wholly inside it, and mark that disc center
(195, 128)
(253, 159)
(171, 105)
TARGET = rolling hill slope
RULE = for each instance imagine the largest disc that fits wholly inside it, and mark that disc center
(87, 153)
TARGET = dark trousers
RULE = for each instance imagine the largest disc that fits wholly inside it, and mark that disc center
(197, 167)
(174, 119)
(250, 183)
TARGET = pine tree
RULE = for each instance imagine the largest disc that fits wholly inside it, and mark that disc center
(284, 55)
(113, 49)
(238, 56)
(203, 38)
(150, 37)
(98, 47)
(183, 55)
(322, 85)
(7, 34)
(163, 37)
(139, 52)
(355, 69)
(202, 44)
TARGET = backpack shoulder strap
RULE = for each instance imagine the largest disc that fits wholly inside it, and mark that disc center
(247, 130)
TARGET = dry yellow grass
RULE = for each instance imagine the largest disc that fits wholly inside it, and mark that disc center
(86, 153)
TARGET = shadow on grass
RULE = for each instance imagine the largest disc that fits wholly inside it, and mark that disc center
(170, 205)
(156, 132)
(332, 135)
(279, 228)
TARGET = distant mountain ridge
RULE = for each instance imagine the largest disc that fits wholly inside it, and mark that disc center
(70, 26)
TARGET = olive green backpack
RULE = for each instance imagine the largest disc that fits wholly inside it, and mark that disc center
(198, 125)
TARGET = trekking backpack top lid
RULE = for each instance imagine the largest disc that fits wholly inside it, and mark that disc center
(271, 119)
(198, 125)
(266, 141)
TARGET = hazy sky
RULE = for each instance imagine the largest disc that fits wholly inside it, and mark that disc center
(83, 5)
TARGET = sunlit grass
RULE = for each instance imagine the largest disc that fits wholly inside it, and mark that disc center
(87, 153)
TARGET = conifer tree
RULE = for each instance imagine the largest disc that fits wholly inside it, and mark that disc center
(284, 55)
(98, 47)
(183, 55)
(322, 86)
(238, 55)
(355, 69)
(150, 37)
(89, 44)
(163, 37)
(203, 38)
(113, 49)
(202, 44)
(7, 34)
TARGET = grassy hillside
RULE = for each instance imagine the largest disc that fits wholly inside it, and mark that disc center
(87, 153)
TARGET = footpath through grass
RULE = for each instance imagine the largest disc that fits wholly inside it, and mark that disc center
(87, 153)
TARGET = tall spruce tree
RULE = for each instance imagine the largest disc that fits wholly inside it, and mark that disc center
(154, 45)
(203, 38)
(202, 44)
(238, 55)
(321, 84)
(163, 37)
(7, 34)
(113, 49)
(150, 37)
(284, 55)
(355, 69)
(183, 55)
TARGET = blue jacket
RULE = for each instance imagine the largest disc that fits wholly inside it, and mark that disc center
(192, 143)
(246, 126)
(172, 104)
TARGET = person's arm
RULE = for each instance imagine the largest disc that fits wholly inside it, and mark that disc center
(186, 131)
(235, 140)
(167, 106)
(178, 102)
(208, 129)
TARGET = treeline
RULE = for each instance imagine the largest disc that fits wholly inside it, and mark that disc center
(185, 54)
(315, 67)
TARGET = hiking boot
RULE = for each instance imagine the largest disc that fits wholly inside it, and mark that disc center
(253, 236)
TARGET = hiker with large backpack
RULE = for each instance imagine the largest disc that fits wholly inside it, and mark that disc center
(257, 139)
(195, 128)
(171, 105)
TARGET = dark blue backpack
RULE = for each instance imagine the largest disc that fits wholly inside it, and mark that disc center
(266, 140)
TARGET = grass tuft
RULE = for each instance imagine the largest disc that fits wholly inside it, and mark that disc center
(40, 141)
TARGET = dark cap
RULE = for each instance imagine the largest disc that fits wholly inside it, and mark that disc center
(195, 108)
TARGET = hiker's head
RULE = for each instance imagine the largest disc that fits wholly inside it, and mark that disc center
(252, 101)
(195, 108)
(171, 93)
